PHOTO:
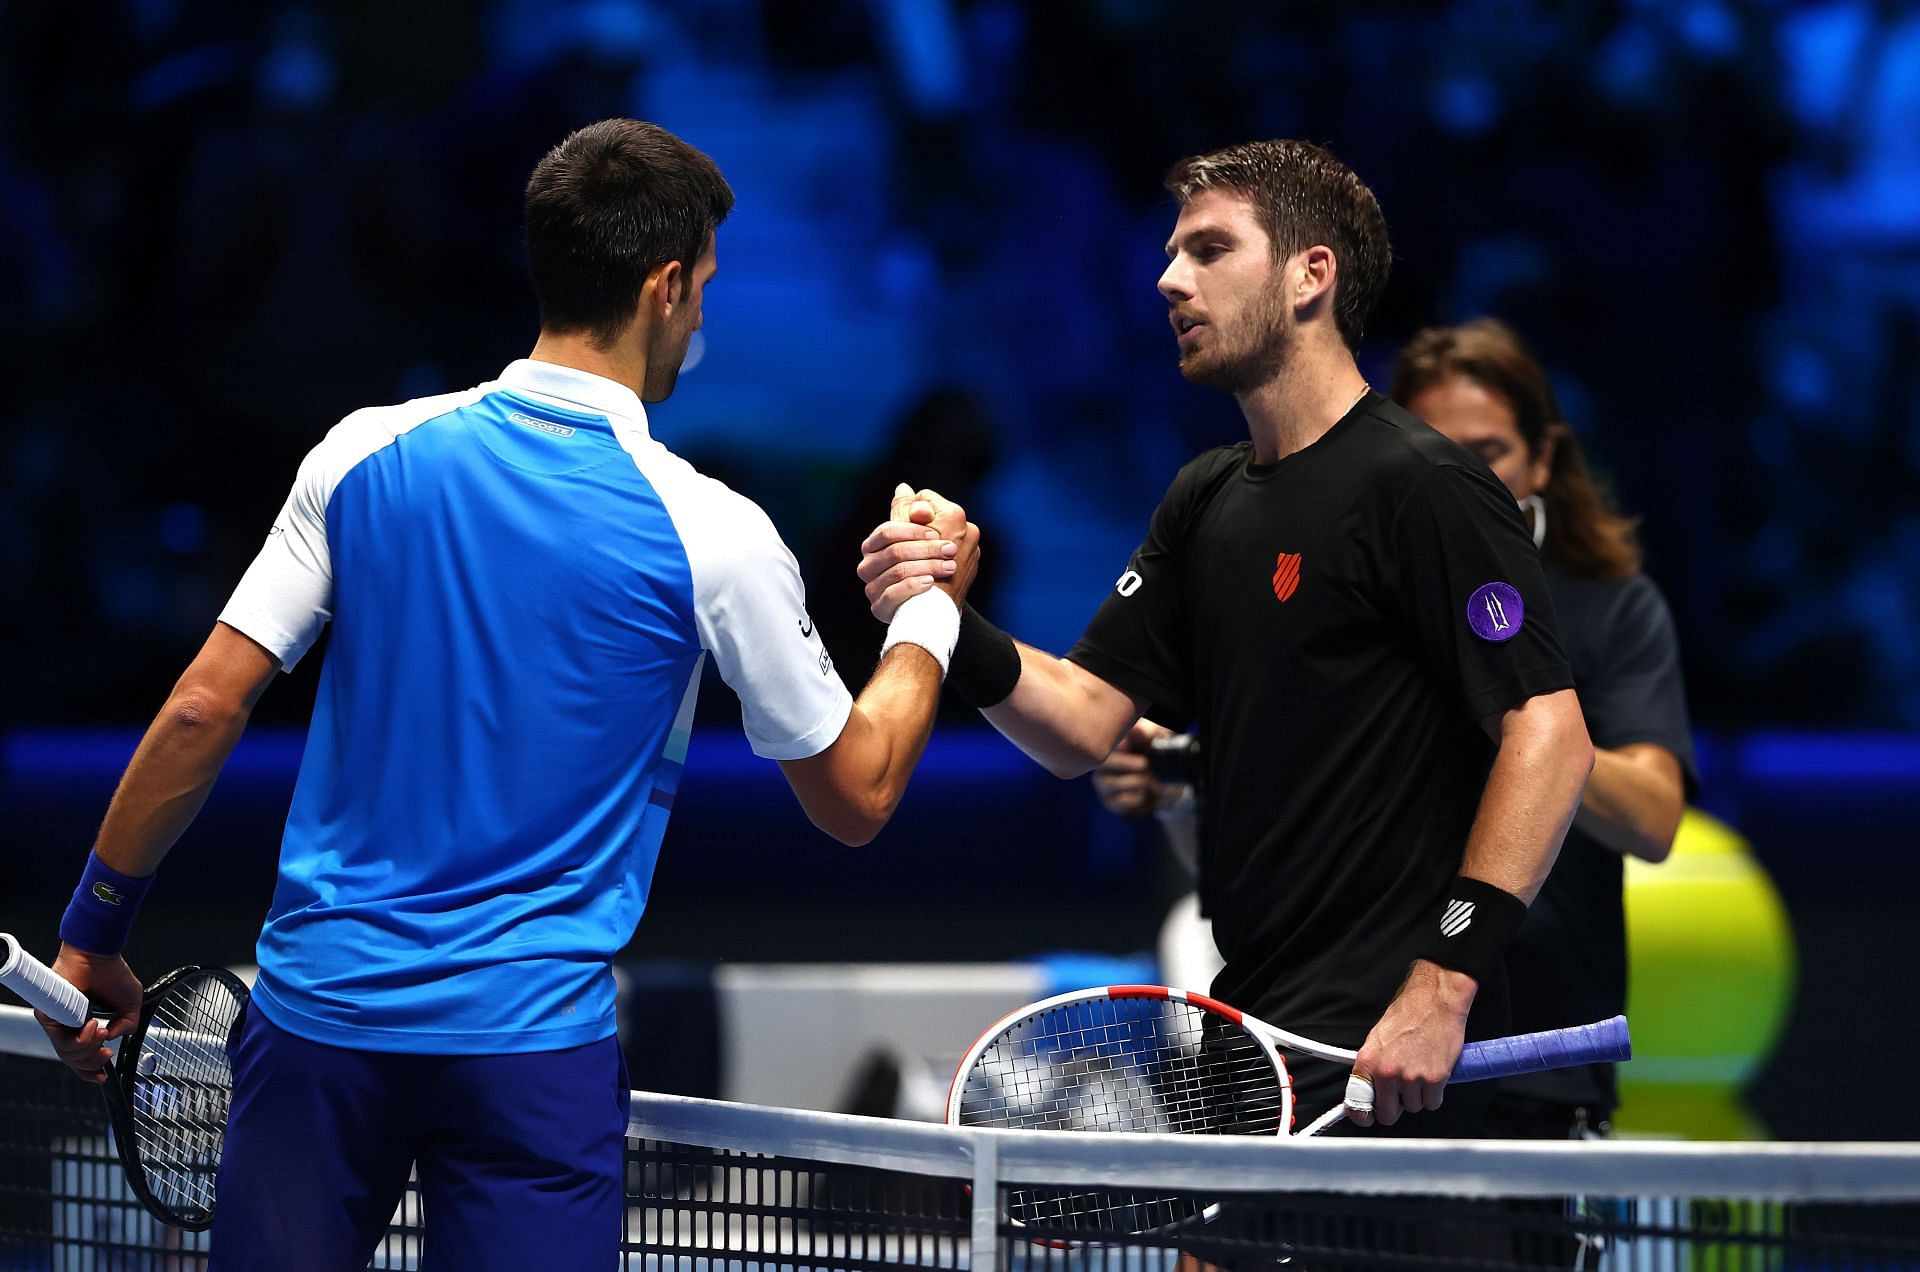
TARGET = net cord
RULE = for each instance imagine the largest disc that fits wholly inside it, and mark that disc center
(1783, 1172)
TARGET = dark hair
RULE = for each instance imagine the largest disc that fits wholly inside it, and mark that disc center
(1586, 534)
(1303, 196)
(608, 206)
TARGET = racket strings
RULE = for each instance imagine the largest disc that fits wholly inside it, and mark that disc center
(1158, 1066)
(181, 1091)
(1125, 1064)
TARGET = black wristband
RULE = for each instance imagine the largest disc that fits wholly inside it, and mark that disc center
(1473, 928)
(986, 663)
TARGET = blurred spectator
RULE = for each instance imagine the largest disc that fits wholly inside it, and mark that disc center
(257, 208)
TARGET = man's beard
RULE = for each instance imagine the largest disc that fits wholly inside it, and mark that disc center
(1254, 355)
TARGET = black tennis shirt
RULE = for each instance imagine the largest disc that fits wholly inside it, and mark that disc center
(1337, 624)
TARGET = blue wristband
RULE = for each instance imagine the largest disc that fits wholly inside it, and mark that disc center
(101, 912)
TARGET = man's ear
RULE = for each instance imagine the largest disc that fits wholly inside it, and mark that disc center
(1314, 274)
(662, 291)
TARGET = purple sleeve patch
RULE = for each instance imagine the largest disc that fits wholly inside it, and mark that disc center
(1496, 612)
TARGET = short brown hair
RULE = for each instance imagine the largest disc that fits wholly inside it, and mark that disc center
(606, 207)
(1303, 196)
(1586, 534)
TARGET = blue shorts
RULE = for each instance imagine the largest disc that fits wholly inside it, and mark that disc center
(520, 1156)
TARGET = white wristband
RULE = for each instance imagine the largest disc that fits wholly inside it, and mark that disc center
(930, 620)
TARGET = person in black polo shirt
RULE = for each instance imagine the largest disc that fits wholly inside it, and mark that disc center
(1479, 385)
(1350, 608)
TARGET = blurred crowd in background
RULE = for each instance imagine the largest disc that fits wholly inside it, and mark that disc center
(223, 225)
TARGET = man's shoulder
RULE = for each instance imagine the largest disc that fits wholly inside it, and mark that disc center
(395, 418)
(1218, 460)
(693, 495)
(366, 432)
(1402, 444)
(1205, 472)
(1400, 458)
(718, 526)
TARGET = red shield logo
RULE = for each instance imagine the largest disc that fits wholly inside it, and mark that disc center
(1286, 575)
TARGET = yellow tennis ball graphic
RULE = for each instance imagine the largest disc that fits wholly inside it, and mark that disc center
(1711, 975)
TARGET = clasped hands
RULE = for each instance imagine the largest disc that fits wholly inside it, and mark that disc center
(926, 542)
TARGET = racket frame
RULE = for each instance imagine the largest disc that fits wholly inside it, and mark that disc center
(123, 1077)
(1267, 1037)
(1602, 1042)
(1266, 1040)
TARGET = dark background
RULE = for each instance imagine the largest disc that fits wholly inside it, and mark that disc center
(224, 225)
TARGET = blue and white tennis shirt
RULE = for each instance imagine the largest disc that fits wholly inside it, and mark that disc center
(523, 584)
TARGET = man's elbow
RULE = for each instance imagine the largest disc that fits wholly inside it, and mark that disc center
(196, 710)
(1580, 751)
(1068, 765)
(1653, 850)
(1656, 845)
(854, 823)
(1554, 742)
(1071, 757)
(1569, 740)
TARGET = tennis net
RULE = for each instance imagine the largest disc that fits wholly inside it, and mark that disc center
(715, 1187)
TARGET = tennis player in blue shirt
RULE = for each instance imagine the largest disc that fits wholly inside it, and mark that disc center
(523, 584)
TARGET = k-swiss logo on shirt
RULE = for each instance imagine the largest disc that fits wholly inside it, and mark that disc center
(1457, 919)
(1286, 576)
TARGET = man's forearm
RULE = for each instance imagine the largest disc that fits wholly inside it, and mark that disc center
(168, 780)
(1634, 801)
(1062, 715)
(898, 707)
(851, 789)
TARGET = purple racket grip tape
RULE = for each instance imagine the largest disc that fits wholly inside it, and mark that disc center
(1605, 1042)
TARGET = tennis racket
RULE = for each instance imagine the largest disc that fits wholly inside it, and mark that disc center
(1145, 1058)
(168, 1088)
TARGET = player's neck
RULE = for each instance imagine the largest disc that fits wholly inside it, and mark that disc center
(624, 363)
(1296, 408)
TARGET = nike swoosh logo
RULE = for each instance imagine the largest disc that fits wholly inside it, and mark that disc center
(806, 627)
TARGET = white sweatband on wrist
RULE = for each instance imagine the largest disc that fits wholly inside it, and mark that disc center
(930, 620)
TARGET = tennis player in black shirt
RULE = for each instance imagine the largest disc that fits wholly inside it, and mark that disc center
(1351, 610)
(1480, 386)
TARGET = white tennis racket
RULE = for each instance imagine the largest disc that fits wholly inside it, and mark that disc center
(1149, 1059)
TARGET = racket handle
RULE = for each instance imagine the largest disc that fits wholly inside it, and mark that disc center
(1600, 1043)
(40, 985)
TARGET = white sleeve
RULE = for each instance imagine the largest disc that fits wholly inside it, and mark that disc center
(286, 596)
(751, 611)
(752, 616)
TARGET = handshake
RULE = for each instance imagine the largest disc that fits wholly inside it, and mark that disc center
(926, 542)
